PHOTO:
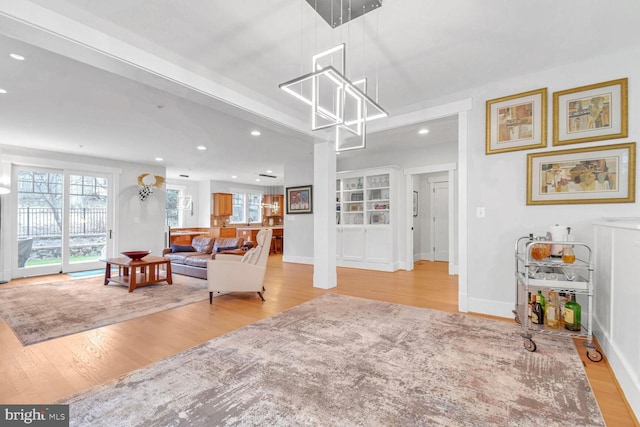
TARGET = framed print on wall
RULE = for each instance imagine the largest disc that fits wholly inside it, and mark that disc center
(605, 174)
(590, 113)
(517, 122)
(299, 200)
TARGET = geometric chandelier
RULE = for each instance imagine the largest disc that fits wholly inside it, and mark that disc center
(335, 100)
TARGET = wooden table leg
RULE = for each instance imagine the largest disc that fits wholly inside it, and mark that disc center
(107, 274)
(169, 276)
(132, 277)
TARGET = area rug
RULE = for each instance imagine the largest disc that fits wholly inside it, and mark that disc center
(345, 361)
(41, 312)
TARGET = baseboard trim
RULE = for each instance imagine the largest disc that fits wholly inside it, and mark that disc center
(298, 259)
(492, 308)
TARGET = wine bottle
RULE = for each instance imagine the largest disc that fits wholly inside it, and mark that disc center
(537, 313)
(572, 314)
(540, 298)
(552, 311)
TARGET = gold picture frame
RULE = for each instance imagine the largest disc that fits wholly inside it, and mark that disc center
(517, 122)
(605, 174)
(591, 113)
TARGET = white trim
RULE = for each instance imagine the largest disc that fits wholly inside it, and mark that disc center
(490, 307)
(462, 186)
(298, 259)
(40, 162)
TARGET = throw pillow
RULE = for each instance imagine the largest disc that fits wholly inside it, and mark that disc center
(182, 248)
(227, 248)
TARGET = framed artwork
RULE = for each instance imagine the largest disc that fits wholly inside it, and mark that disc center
(590, 113)
(299, 200)
(415, 203)
(517, 122)
(605, 174)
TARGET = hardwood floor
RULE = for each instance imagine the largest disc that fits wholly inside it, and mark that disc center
(55, 369)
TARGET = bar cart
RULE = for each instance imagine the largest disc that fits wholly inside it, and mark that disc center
(553, 274)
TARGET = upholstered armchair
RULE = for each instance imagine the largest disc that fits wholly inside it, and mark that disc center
(234, 273)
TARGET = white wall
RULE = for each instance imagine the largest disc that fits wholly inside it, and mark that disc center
(433, 154)
(298, 229)
(498, 182)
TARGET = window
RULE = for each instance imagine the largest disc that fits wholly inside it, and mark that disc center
(247, 208)
(175, 205)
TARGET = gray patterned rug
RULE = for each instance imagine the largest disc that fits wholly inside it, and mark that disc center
(41, 312)
(343, 361)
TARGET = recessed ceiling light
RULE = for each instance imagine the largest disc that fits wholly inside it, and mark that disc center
(255, 133)
(159, 159)
(2, 90)
(201, 147)
(269, 171)
(423, 131)
(257, 179)
(16, 56)
(234, 176)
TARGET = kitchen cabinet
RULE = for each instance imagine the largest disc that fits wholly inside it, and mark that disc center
(365, 224)
(184, 236)
(222, 204)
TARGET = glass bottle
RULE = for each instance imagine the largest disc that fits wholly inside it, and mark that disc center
(540, 298)
(572, 314)
(568, 256)
(552, 311)
(537, 313)
(529, 305)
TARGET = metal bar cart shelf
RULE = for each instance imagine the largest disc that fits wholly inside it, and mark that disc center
(552, 274)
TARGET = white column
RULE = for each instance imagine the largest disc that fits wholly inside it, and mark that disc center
(324, 215)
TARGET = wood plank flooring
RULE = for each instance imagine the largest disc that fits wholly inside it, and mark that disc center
(52, 370)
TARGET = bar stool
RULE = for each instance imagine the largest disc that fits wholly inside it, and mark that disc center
(276, 245)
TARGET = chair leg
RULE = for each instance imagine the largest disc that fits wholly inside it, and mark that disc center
(210, 297)
(261, 297)
(263, 289)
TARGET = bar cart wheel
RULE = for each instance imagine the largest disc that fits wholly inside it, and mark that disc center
(594, 355)
(529, 345)
(516, 317)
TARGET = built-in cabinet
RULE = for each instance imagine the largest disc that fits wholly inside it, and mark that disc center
(616, 325)
(365, 222)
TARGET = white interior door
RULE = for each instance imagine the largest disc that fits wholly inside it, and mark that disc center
(440, 220)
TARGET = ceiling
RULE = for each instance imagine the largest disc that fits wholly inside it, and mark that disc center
(138, 79)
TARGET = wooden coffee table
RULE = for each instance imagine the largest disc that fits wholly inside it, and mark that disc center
(134, 274)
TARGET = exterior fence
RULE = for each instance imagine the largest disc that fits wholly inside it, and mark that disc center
(38, 222)
(39, 230)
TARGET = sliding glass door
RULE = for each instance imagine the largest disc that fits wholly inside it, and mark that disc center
(63, 221)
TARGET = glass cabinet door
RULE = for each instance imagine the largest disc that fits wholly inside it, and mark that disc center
(353, 201)
(378, 196)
